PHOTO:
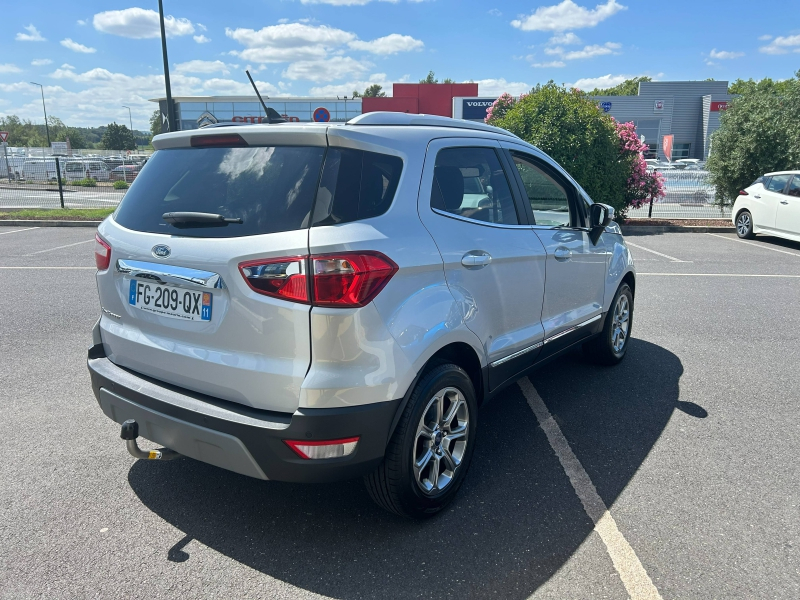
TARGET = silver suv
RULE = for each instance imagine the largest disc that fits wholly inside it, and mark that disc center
(317, 302)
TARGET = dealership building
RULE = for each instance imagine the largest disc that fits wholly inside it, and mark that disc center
(687, 110)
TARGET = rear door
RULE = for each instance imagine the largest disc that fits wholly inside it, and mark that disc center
(176, 303)
(576, 267)
(494, 266)
(787, 219)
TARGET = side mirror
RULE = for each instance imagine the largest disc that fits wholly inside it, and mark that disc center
(600, 215)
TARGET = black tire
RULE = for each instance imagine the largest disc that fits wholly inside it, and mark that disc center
(744, 225)
(603, 349)
(393, 485)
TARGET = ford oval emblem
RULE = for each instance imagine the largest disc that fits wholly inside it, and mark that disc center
(161, 251)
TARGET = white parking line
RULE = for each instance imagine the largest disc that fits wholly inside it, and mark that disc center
(751, 244)
(672, 258)
(636, 580)
(720, 275)
(16, 230)
(59, 248)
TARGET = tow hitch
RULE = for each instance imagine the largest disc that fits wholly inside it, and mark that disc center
(129, 433)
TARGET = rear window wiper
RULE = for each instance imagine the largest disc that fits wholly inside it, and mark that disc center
(199, 218)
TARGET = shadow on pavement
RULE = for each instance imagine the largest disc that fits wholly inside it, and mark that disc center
(776, 241)
(515, 522)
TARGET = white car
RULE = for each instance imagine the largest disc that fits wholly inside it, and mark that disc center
(85, 169)
(770, 205)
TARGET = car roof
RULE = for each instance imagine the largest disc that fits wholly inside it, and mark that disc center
(781, 173)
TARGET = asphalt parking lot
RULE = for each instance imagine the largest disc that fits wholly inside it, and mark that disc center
(691, 444)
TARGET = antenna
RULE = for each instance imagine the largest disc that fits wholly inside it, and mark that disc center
(270, 119)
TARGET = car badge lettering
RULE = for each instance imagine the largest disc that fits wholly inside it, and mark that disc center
(161, 251)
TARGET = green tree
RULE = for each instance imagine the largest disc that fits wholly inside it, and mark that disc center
(569, 127)
(118, 137)
(431, 78)
(759, 133)
(155, 122)
(742, 87)
(373, 91)
(23, 132)
(629, 87)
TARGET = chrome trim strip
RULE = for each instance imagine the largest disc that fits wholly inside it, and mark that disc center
(109, 313)
(497, 363)
(449, 215)
(161, 273)
(571, 329)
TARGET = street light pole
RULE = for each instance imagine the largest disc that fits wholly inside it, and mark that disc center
(46, 128)
(130, 120)
(170, 108)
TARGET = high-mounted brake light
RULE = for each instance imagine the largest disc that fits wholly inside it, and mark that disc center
(350, 279)
(743, 193)
(279, 277)
(324, 449)
(218, 141)
(342, 280)
(102, 253)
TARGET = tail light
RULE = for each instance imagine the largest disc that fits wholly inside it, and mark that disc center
(326, 449)
(344, 280)
(743, 193)
(102, 253)
(280, 277)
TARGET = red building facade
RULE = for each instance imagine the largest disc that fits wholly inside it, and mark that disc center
(421, 98)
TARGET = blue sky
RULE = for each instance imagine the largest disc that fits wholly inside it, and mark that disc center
(95, 56)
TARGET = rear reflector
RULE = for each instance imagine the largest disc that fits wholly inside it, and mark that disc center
(217, 141)
(279, 277)
(350, 279)
(327, 449)
(743, 193)
(102, 253)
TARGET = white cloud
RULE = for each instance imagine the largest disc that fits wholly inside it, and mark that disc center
(566, 15)
(555, 64)
(201, 39)
(605, 81)
(82, 22)
(33, 35)
(782, 45)
(337, 67)
(140, 23)
(345, 89)
(586, 52)
(390, 44)
(201, 27)
(724, 54)
(343, 2)
(495, 87)
(495, 12)
(40, 62)
(765, 38)
(76, 47)
(204, 66)
(232, 87)
(290, 35)
(67, 66)
(568, 39)
(9, 68)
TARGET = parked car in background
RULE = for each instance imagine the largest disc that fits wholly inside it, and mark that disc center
(39, 169)
(312, 303)
(85, 169)
(771, 205)
(125, 173)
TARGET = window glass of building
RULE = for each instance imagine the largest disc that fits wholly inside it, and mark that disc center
(548, 198)
(471, 183)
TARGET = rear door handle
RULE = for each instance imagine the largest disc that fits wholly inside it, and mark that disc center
(562, 253)
(757, 196)
(477, 258)
(784, 202)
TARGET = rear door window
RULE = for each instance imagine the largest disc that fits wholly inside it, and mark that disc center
(777, 183)
(271, 189)
(356, 185)
(794, 187)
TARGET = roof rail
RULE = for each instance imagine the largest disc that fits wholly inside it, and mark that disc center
(398, 118)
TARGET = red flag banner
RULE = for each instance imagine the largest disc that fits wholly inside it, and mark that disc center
(666, 144)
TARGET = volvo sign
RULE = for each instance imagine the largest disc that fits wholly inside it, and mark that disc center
(474, 109)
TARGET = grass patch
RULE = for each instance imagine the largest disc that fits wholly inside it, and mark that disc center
(60, 214)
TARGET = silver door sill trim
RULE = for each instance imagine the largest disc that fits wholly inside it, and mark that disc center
(497, 363)
(161, 273)
(571, 329)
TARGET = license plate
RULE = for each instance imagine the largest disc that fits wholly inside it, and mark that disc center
(170, 301)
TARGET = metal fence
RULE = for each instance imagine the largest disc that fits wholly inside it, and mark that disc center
(89, 179)
(690, 195)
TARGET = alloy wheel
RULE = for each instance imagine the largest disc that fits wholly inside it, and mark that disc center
(620, 324)
(441, 440)
(743, 224)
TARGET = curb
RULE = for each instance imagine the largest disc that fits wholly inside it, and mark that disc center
(33, 223)
(659, 229)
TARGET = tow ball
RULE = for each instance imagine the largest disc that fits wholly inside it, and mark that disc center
(129, 433)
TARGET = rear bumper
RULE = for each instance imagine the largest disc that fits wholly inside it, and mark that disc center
(239, 438)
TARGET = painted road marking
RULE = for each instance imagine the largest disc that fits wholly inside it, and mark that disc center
(636, 580)
(672, 258)
(753, 244)
(720, 275)
(16, 230)
(59, 248)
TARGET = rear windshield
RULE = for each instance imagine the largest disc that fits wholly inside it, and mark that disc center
(270, 188)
